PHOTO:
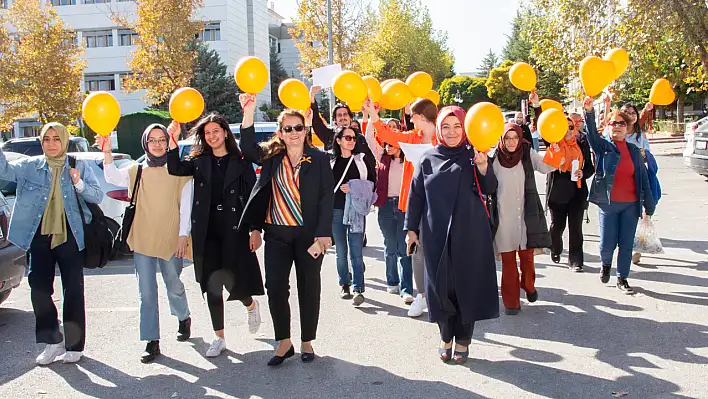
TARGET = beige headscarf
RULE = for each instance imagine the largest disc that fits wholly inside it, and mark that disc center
(54, 219)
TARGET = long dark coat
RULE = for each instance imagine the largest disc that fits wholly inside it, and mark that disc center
(238, 183)
(458, 239)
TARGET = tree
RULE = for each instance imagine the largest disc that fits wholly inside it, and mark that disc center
(516, 48)
(500, 89)
(163, 58)
(218, 87)
(310, 32)
(277, 76)
(42, 69)
(472, 91)
(488, 63)
(403, 41)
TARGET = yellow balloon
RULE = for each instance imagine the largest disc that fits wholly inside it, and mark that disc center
(433, 96)
(395, 95)
(620, 59)
(186, 105)
(596, 74)
(316, 141)
(251, 75)
(553, 125)
(420, 83)
(484, 125)
(101, 112)
(294, 94)
(662, 93)
(350, 87)
(522, 76)
(373, 87)
(547, 104)
(355, 107)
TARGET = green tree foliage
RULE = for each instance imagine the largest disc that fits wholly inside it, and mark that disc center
(216, 85)
(489, 62)
(403, 41)
(516, 48)
(471, 91)
(499, 87)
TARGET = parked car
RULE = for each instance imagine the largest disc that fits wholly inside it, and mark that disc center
(9, 187)
(12, 259)
(31, 146)
(696, 154)
(691, 127)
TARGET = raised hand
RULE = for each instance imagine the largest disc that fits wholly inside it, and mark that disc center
(248, 103)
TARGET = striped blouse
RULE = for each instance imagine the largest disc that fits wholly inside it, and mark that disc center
(285, 208)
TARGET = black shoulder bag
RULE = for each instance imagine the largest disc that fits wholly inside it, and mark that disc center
(129, 213)
(98, 238)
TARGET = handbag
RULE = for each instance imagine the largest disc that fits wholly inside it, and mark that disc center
(129, 214)
(98, 238)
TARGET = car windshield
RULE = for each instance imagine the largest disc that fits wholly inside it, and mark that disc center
(27, 147)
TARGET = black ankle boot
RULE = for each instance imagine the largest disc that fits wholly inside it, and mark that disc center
(185, 329)
(605, 276)
(152, 351)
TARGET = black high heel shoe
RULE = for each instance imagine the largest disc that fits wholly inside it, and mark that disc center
(278, 360)
(307, 357)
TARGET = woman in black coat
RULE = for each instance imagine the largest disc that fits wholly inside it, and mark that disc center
(567, 196)
(224, 254)
(292, 200)
(446, 193)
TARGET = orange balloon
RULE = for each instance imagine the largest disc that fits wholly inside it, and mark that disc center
(186, 105)
(373, 88)
(522, 76)
(316, 141)
(419, 83)
(251, 75)
(294, 94)
(553, 125)
(484, 124)
(596, 74)
(550, 104)
(395, 95)
(662, 93)
(620, 59)
(101, 112)
(350, 87)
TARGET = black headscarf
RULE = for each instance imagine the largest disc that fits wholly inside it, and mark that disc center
(151, 159)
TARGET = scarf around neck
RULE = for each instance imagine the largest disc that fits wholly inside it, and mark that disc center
(54, 218)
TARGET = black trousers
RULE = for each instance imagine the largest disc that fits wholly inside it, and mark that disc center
(572, 212)
(284, 246)
(43, 261)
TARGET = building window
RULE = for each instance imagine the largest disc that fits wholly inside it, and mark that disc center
(98, 38)
(63, 2)
(100, 82)
(96, 1)
(127, 37)
(211, 32)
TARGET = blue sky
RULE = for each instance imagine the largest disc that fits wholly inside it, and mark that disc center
(473, 26)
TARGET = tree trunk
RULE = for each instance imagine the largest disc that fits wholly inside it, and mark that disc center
(679, 107)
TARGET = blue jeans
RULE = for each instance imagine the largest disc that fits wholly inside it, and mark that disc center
(535, 144)
(618, 224)
(342, 235)
(146, 272)
(391, 223)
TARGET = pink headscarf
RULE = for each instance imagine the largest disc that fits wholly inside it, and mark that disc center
(444, 113)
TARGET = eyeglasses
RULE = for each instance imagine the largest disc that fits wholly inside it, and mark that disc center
(289, 129)
(349, 138)
(618, 123)
(508, 139)
(157, 142)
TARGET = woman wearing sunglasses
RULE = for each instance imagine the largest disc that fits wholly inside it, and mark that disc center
(349, 164)
(224, 255)
(620, 189)
(566, 196)
(292, 200)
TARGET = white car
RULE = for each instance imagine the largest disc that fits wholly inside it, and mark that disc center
(691, 127)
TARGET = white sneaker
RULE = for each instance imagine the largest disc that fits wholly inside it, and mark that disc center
(216, 347)
(393, 289)
(254, 318)
(50, 354)
(407, 298)
(418, 306)
(70, 357)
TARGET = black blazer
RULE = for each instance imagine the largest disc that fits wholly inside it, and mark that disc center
(316, 187)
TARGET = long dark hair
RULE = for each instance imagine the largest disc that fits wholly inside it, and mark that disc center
(401, 154)
(338, 134)
(636, 128)
(201, 147)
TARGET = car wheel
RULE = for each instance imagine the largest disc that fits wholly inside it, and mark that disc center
(4, 295)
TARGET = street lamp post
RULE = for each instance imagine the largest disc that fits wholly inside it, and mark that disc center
(458, 98)
(330, 52)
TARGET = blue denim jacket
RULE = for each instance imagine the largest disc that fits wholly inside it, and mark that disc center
(607, 157)
(34, 177)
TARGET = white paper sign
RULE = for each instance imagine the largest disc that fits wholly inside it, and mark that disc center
(414, 152)
(323, 76)
(575, 166)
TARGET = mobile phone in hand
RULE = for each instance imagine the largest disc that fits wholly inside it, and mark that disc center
(413, 249)
(315, 250)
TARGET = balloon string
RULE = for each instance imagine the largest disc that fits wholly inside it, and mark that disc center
(247, 102)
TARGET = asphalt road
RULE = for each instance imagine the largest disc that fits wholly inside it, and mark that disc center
(582, 339)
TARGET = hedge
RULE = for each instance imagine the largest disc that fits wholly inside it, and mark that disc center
(131, 126)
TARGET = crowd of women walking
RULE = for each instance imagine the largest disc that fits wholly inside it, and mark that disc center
(446, 216)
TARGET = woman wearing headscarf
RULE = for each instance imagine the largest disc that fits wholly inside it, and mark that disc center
(446, 195)
(567, 193)
(522, 224)
(46, 222)
(159, 235)
(224, 254)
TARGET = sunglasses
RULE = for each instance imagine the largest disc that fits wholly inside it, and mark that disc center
(349, 138)
(297, 128)
(618, 123)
